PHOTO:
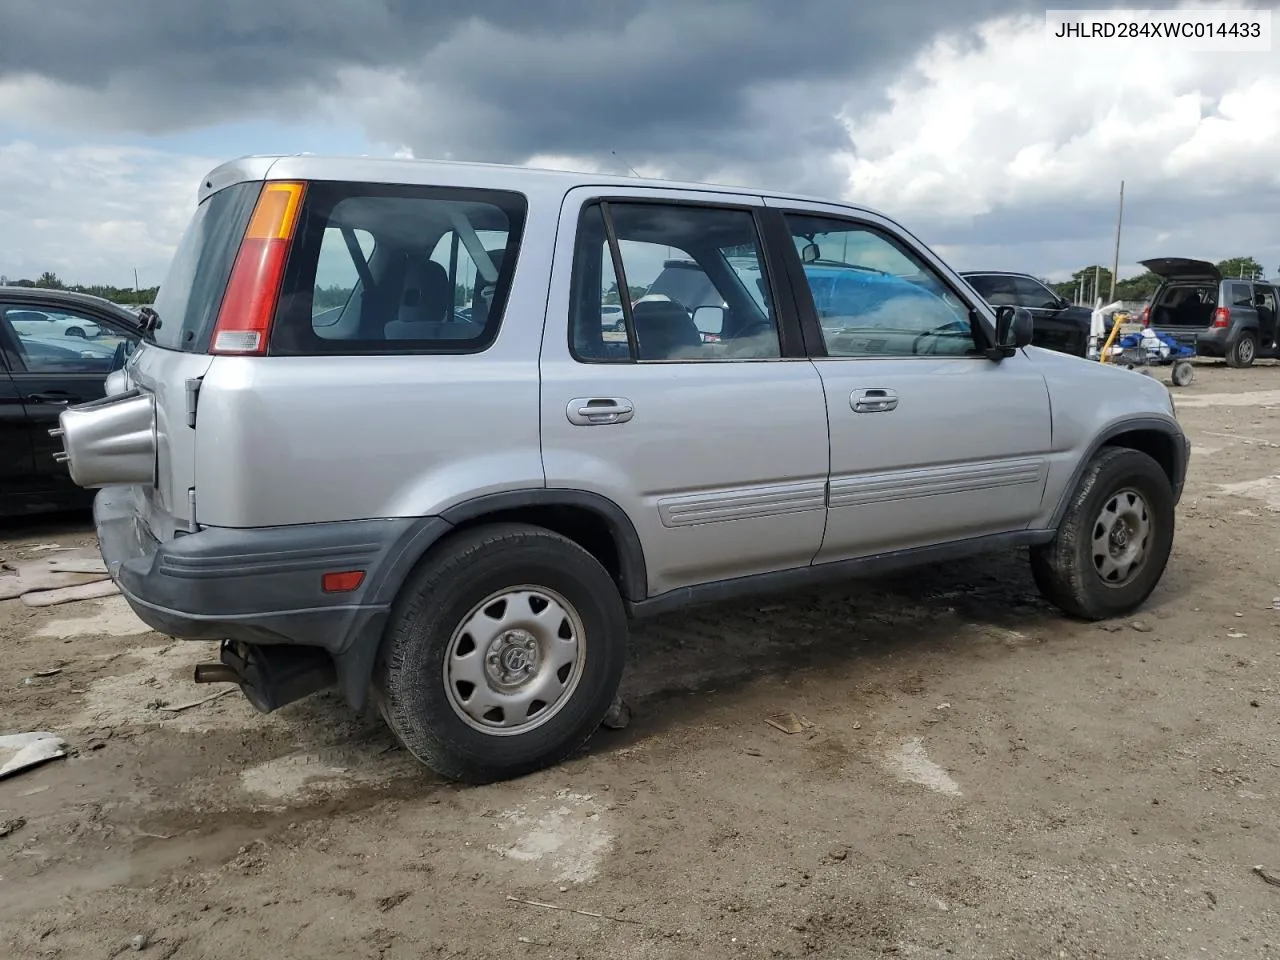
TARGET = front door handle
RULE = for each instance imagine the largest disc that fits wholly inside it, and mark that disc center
(59, 397)
(874, 400)
(596, 411)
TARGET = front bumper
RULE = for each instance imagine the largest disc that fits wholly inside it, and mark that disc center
(1180, 470)
(263, 586)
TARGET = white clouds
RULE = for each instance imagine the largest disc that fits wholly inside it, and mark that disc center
(1022, 121)
(1004, 153)
(92, 214)
(975, 137)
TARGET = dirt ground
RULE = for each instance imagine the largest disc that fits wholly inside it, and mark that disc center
(982, 777)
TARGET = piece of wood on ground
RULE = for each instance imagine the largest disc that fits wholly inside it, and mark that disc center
(1269, 876)
(195, 703)
(29, 577)
(84, 591)
(788, 722)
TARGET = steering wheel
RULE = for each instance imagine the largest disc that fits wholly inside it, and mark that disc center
(950, 325)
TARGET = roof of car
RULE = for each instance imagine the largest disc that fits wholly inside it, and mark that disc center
(62, 298)
(997, 273)
(307, 166)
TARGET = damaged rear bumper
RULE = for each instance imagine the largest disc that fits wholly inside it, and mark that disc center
(262, 589)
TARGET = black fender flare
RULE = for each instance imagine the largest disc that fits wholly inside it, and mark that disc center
(1182, 450)
(356, 661)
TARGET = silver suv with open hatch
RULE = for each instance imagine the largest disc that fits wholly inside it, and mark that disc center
(378, 436)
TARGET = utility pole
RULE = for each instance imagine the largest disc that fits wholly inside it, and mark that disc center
(137, 293)
(1097, 284)
(1115, 260)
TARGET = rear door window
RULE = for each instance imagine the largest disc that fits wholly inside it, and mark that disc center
(1033, 295)
(1240, 294)
(378, 269)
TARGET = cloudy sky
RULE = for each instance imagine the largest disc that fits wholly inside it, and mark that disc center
(999, 147)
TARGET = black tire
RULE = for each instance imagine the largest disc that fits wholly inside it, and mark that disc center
(1243, 352)
(1064, 569)
(1183, 373)
(410, 686)
(76, 332)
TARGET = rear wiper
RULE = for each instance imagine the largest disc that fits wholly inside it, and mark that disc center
(148, 323)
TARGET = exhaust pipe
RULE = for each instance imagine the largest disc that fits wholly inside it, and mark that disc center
(216, 673)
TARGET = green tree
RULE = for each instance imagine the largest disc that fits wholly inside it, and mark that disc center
(49, 281)
(1245, 267)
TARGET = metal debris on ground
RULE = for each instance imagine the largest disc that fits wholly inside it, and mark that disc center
(23, 751)
(788, 722)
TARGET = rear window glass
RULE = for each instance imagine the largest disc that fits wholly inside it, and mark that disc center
(397, 269)
(191, 294)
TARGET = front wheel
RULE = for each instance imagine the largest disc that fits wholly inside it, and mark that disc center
(75, 332)
(503, 654)
(1114, 541)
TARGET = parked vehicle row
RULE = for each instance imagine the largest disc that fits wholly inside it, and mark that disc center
(453, 519)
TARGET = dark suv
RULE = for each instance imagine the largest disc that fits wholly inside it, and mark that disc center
(1230, 318)
(1059, 324)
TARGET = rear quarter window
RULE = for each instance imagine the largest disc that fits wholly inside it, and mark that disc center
(378, 269)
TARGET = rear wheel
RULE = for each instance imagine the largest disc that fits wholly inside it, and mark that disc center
(503, 655)
(1114, 541)
(1243, 352)
(1183, 373)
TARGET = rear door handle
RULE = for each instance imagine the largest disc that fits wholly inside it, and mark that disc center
(59, 397)
(596, 411)
(873, 400)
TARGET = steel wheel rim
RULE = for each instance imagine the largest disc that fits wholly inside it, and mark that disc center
(514, 660)
(1121, 538)
(1246, 350)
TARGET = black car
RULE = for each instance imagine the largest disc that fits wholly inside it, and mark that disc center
(1059, 324)
(56, 349)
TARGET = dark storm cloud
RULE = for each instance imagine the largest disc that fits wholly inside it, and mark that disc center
(691, 85)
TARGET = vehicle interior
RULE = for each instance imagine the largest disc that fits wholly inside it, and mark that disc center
(393, 270)
(665, 328)
(1184, 305)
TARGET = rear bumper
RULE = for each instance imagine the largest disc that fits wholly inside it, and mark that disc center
(263, 586)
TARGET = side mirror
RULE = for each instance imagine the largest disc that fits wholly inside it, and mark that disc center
(709, 320)
(1014, 329)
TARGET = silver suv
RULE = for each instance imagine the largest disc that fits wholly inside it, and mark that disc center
(378, 436)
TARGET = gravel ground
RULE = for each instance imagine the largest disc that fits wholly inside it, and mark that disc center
(980, 777)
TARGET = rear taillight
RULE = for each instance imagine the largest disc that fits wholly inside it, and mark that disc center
(1145, 319)
(244, 322)
(1222, 317)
